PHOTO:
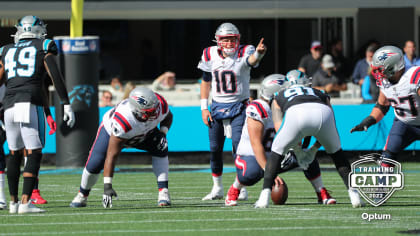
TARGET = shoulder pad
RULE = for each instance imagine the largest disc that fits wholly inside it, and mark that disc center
(256, 111)
(49, 45)
(206, 54)
(415, 76)
(120, 121)
(163, 103)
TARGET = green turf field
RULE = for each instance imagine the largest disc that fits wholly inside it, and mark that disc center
(136, 213)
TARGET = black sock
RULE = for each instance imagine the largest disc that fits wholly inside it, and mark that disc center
(342, 165)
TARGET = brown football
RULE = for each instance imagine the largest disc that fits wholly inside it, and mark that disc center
(279, 193)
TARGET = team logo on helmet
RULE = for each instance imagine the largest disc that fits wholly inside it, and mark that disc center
(276, 81)
(386, 55)
(140, 100)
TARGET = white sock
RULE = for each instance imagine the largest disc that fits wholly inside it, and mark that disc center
(88, 179)
(317, 184)
(236, 184)
(217, 181)
(2, 195)
(160, 168)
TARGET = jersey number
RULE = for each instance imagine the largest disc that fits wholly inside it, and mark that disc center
(268, 139)
(224, 79)
(25, 64)
(401, 111)
(293, 92)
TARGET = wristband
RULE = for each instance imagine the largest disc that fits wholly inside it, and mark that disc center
(204, 104)
(107, 180)
(164, 129)
(258, 56)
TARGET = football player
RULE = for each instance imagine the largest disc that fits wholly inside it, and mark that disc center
(255, 144)
(25, 64)
(131, 123)
(306, 112)
(399, 90)
(226, 71)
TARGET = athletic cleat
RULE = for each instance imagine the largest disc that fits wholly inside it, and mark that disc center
(355, 199)
(29, 208)
(36, 197)
(243, 195)
(215, 194)
(79, 201)
(13, 207)
(3, 205)
(325, 198)
(264, 199)
(232, 196)
(164, 199)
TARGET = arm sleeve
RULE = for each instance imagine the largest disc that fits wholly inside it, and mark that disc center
(57, 79)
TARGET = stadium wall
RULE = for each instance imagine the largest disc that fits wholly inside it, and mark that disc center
(189, 134)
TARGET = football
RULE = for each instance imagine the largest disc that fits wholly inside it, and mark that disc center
(279, 193)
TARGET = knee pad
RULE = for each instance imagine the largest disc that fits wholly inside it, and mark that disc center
(33, 163)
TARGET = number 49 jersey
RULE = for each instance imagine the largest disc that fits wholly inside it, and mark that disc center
(258, 110)
(230, 75)
(403, 96)
(24, 70)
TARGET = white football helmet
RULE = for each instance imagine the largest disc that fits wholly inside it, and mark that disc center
(30, 27)
(144, 104)
(386, 62)
(271, 85)
(298, 78)
(227, 30)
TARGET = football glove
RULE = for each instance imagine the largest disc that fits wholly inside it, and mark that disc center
(69, 115)
(51, 124)
(364, 125)
(107, 196)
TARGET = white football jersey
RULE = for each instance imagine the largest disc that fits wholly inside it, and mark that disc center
(403, 96)
(121, 122)
(258, 110)
(230, 75)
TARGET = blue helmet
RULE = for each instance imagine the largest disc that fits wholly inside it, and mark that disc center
(298, 78)
(30, 27)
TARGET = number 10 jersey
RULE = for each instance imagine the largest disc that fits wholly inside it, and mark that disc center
(230, 75)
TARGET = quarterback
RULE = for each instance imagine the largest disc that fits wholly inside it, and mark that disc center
(226, 71)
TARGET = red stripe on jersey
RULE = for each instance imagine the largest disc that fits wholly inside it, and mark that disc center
(206, 54)
(260, 109)
(163, 103)
(122, 121)
(242, 51)
(415, 77)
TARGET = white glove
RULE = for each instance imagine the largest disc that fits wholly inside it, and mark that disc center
(69, 116)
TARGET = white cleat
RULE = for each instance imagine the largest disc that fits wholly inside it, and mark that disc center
(355, 199)
(3, 205)
(13, 207)
(264, 199)
(215, 194)
(79, 201)
(164, 199)
(29, 208)
(243, 195)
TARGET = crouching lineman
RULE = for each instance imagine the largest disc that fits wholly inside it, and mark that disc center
(131, 123)
(307, 112)
(256, 139)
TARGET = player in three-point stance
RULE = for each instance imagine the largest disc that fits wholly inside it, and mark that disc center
(255, 145)
(131, 123)
(24, 67)
(306, 112)
(399, 90)
(226, 71)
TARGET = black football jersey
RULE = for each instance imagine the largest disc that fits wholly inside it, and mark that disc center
(25, 71)
(298, 95)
